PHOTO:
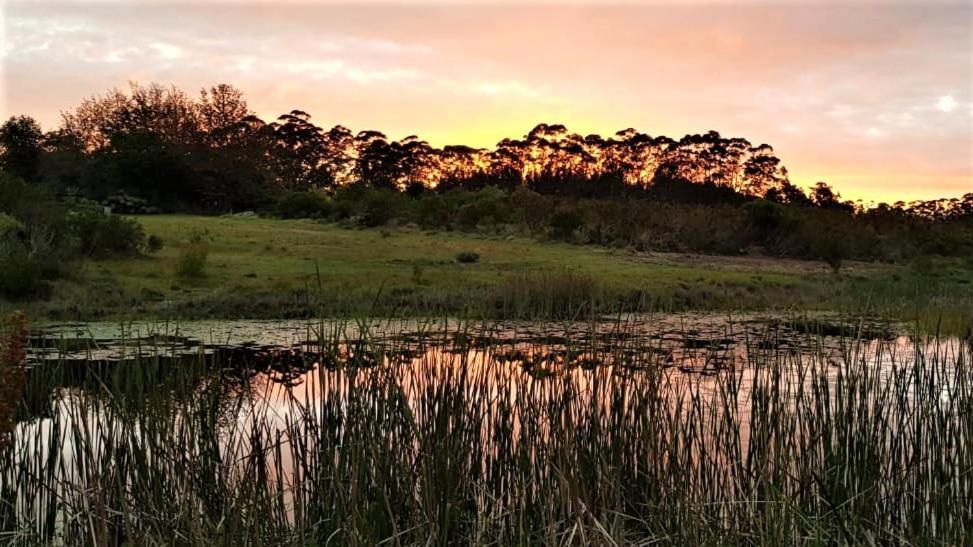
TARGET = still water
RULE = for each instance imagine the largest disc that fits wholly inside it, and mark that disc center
(93, 388)
(268, 370)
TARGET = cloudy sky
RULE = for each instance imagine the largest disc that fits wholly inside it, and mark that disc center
(875, 98)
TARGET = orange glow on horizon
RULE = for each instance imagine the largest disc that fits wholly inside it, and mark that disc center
(824, 85)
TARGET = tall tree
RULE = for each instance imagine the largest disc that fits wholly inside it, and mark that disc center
(299, 149)
(761, 171)
(164, 111)
(20, 147)
(377, 161)
(221, 108)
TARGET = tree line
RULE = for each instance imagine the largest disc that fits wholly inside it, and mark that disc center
(157, 149)
(211, 153)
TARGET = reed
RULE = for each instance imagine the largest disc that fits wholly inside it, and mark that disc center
(409, 440)
(13, 344)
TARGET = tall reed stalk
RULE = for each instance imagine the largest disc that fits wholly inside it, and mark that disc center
(405, 443)
(13, 344)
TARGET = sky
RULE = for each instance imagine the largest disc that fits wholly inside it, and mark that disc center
(875, 97)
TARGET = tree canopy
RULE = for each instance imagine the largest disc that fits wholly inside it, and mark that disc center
(212, 153)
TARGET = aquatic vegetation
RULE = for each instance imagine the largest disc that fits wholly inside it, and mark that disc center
(422, 432)
(13, 345)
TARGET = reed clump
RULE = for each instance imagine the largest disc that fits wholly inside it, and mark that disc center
(377, 442)
(13, 344)
(549, 294)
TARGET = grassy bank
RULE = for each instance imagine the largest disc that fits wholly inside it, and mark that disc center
(255, 267)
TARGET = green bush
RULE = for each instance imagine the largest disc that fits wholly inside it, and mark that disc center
(21, 276)
(310, 204)
(154, 244)
(106, 236)
(348, 199)
(766, 217)
(483, 208)
(565, 222)
(467, 257)
(831, 248)
(370, 207)
(381, 206)
(192, 262)
(9, 225)
(36, 211)
(432, 211)
(125, 204)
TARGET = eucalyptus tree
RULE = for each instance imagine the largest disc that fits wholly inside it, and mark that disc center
(20, 147)
(298, 151)
(339, 155)
(418, 164)
(221, 108)
(377, 160)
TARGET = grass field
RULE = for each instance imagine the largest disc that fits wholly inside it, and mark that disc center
(274, 268)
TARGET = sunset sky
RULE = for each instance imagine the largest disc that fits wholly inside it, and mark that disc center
(876, 99)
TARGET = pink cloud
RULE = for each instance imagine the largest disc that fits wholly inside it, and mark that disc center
(849, 94)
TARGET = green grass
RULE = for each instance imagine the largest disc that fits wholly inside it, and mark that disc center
(273, 268)
(286, 253)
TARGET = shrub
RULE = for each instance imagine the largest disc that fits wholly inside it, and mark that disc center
(483, 207)
(106, 236)
(370, 207)
(9, 225)
(432, 211)
(21, 275)
(832, 249)
(529, 208)
(565, 222)
(310, 204)
(381, 206)
(764, 216)
(467, 257)
(125, 204)
(192, 262)
(154, 244)
(35, 215)
(348, 199)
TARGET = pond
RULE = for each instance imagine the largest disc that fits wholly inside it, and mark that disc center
(316, 424)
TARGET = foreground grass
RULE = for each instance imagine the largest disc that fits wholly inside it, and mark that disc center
(448, 448)
(277, 268)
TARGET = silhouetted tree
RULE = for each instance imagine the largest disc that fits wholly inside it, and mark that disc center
(163, 111)
(825, 197)
(788, 193)
(339, 155)
(418, 163)
(761, 171)
(377, 160)
(212, 152)
(221, 108)
(20, 147)
(299, 149)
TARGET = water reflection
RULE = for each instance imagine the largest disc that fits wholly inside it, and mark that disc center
(230, 392)
(283, 367)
